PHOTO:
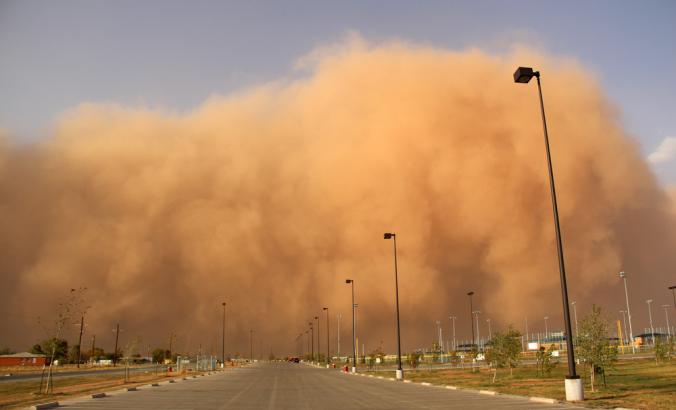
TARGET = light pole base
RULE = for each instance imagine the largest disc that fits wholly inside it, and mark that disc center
(354, 370)
(574, 389)
(400, 374)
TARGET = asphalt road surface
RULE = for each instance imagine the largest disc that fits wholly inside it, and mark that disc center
(298, 386)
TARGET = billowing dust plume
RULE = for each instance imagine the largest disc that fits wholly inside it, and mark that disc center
(270, 198)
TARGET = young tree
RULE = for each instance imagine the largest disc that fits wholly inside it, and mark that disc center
(545, 364)
(70, 306)
(473, 353)
(159, 354)
(505, 351)
(664, 350)
(593, 344)
(414, 359)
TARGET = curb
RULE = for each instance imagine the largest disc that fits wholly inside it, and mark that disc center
(543, 400)
(488, 392)
(98, 395)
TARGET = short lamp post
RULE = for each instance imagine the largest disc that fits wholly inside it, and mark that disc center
(573, 383)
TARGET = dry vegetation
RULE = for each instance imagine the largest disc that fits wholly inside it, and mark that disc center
(638, 384)
(23, 393)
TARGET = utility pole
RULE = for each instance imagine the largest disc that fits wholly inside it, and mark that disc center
(93, 347)
(117, 338)
(339, 317)
(455, 347)
(79, 343)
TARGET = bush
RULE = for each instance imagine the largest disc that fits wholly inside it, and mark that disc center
(413, 359)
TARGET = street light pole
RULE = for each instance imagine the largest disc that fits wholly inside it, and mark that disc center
(328, 353)
(673, 294)
(650, 314)
(441, 341)
(455, 347)
(471, 318)
(318, 339)
(574, 388)
(666, 315)
(251, 344)
(312, 344)
(546, 328)
(400, 371)
(339, 316)
(626, 295)
(478, 335)
(223, 338)
(490, 333)
(574, 303)
(624, 321)
(354, 331)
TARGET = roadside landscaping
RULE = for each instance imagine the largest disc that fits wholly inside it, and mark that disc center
(24, 393)
(637, 384)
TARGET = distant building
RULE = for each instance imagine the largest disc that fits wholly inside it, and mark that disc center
(647, 338)
(23, 359)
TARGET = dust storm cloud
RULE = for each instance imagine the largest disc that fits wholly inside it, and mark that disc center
(269, 198)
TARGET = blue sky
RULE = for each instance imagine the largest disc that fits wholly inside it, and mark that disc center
(174, 54)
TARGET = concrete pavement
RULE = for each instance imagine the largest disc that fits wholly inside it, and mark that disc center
(298, 386)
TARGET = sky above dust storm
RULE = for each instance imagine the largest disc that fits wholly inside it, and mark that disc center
(269, 196)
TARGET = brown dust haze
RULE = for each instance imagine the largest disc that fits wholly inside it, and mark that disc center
(268, 199)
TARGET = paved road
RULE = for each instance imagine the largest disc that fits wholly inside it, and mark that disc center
(75, 373)
(297, 386)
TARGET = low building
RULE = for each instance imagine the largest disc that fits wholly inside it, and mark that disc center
(23, 359)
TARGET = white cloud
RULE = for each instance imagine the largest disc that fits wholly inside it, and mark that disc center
(665, 152)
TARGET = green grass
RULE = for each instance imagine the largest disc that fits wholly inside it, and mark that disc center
(639, 384)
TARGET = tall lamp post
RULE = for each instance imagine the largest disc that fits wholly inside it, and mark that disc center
(328, 353)
(471, 317)
(574, 388)
(400, 371)
(574, 303)
(223, 339)
(312, 344)
(546, 328)
(251, 344)
(650, 315)
(626, 296)
(673, 294)
(666, 316)
(478, 333)
(490, 333)
(452, 318)
(318, 339)
(624, 322)
(354, 330)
